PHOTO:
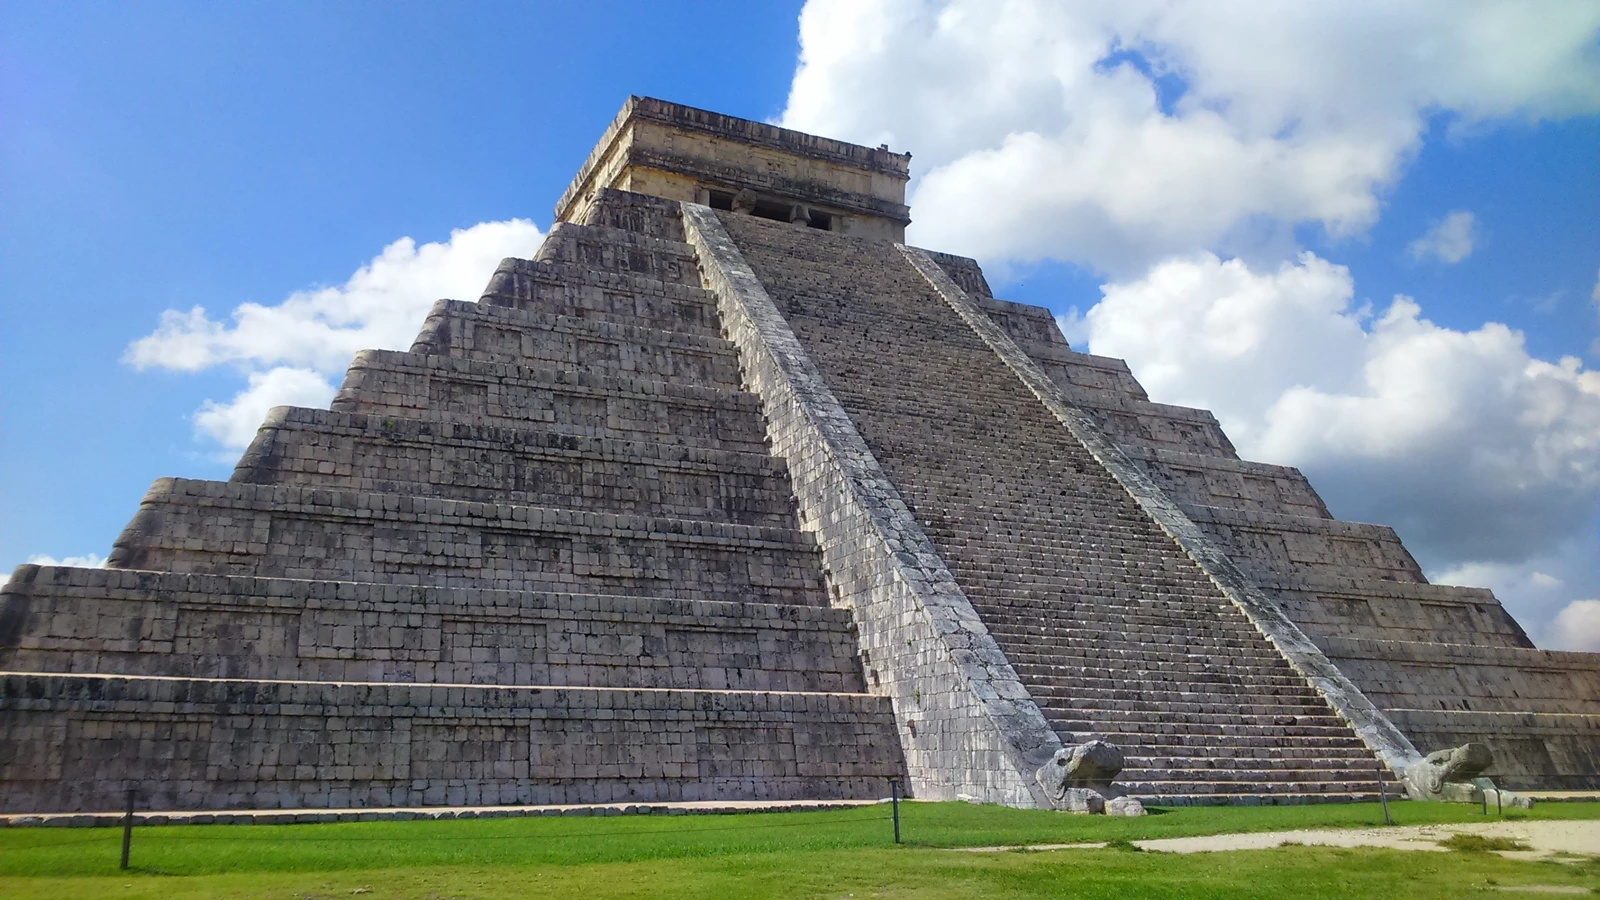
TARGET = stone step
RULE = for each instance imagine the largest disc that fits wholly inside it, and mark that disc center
(1137, 740)
(624, 252)
(1193, 767)
(1340, 772)
(1156, 635)
(388, 383)
(227, 528)
(1043, 616)
(130, 622)
(1174, 703)
(1107, 683)
(1125, 652)
(1134, 727)
(1056, 616)
(1156, 721)
(1169, 793)
(557, 288)
(1126, 649)
(525, 467)
(228, 744)
(1225, 799)
(528, 338)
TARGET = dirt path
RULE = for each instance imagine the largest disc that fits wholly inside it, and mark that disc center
(1544, 837)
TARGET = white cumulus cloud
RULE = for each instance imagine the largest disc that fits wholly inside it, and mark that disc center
(292, 351)
(1113, 134)
(234, 423)
(1449, 240)
(86, 561)
(1577, 626)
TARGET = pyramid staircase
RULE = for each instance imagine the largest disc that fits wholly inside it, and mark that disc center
(1112, 629)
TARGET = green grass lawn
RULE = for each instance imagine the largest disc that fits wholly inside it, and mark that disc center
(834, 853)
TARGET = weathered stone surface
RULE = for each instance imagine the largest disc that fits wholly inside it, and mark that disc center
(753, 503)
(77, 742)
(130, 622)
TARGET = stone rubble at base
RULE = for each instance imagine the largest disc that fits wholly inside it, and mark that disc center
(749, 503)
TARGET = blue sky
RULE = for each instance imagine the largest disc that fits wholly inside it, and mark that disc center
(158, 157)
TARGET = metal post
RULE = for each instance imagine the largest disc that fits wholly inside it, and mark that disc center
(894, 799)
(127, 829)
(1498, 809)
(1484, 796)
(1383, 796)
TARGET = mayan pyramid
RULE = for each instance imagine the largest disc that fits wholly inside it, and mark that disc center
(728, 495)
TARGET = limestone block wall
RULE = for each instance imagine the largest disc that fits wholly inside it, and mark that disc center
(123, 622)
(652, 216)
(525, 467)
(1199, 480)
(1396, 611)
(1102, 378)
(406, 385)
(611, 249)
(502, 334)
(77, 742)
(222, 528)
(1472, 678)
(572, 290)
(1271, 545)
(966, 726)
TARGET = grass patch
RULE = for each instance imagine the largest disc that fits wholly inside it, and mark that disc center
(1477, 843)
(1305, 873)
(828, 853)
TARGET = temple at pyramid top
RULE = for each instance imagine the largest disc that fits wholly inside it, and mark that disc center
(681, 153)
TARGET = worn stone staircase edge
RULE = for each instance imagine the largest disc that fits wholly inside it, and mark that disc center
(967, 725)
(1374, 728)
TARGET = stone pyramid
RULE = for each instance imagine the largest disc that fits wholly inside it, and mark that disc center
(728, 495)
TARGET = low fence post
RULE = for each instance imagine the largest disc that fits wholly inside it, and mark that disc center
(1383, 797)
(127, 829)
(894, 800)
